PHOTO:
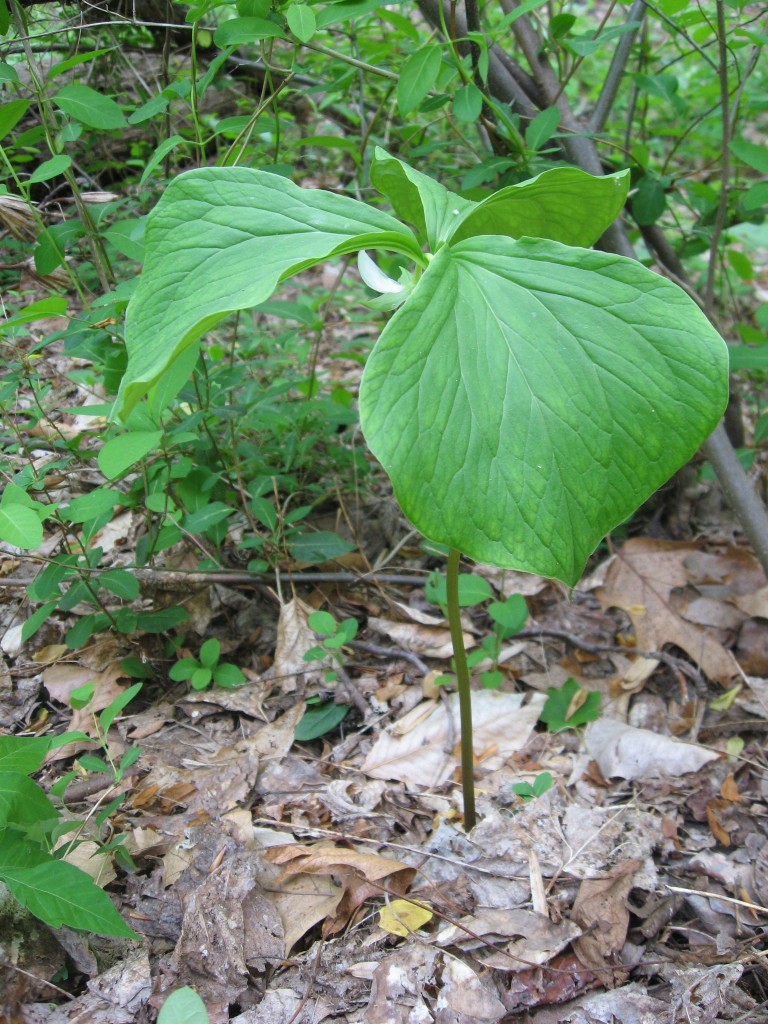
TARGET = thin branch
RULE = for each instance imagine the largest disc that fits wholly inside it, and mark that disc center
(616, 70)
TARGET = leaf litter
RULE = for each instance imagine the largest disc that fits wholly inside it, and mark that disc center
(332, 880)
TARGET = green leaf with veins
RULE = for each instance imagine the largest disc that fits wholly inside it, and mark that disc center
(529, 396)
(221, 239)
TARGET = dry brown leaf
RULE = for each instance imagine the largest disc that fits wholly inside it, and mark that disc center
(424, 754)
(624, 752)
(523, 937)
(428, 641)
(294, 639)
(641, 580)
(464, 998)
(361, 874)
(601, 909)
(755, 604)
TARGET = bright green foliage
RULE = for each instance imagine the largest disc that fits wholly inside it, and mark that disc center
(184, 1006)
(569, 707)
(207, 669)
(525, 398)
(530, 790)
(332, 636)
(320, 718)
(529, 396)
(58, 893)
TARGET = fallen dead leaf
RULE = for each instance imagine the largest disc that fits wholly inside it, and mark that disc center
(622, 751)
(428, 641)
(418, 750)
(601, 909)
(361, 874)
(640, 580)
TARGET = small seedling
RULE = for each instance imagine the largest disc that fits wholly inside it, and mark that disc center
(569, 707)
(530, 790)
(320, 718)
(207, 669)
(332, 636)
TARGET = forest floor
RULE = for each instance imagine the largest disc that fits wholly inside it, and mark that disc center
(293, 882)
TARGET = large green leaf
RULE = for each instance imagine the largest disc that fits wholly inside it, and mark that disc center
(564, 204)
(61, 894)
(528, 397)
(418, 199)
(220, 240)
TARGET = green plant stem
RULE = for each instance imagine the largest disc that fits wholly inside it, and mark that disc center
(465, 696)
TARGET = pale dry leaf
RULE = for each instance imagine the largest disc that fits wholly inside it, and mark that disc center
(601, 909)
(417, 615)
(428, 641)
(508, 581)
(418, 758)
(755, 604)
(641, 580)
(302, 901)
(523, 937)
(622, 751)
(463, 998)
(362, 874)
(294, 639)
(88, 857)
(399, 985)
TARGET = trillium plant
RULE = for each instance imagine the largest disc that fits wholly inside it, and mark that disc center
(525, 397)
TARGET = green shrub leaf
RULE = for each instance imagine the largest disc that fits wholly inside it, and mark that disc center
(89, 107)
(60, 894)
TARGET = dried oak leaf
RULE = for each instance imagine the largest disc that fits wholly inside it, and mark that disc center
(641, 580)
(601, 909)
(361, 875)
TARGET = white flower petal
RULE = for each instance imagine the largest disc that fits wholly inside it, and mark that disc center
(374, 277)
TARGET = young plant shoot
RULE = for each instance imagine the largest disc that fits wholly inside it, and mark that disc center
(526, 396)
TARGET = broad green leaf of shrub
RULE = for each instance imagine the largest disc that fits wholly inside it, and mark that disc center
(184, 1006)
(120, 453)
(319, 720)
(89, 107)
(529, 396)
(20, 526)
(301, 21)
(60, 894)
(221, 239)
(22, 802)
(417, 77)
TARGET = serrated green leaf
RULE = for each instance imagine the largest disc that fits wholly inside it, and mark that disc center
(121, 452)
(468, 103)
(220, 240)
(529, 396)
(89, 107)
(62, 895)
(417, 78)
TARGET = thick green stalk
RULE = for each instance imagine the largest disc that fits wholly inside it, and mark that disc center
(465, 696)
